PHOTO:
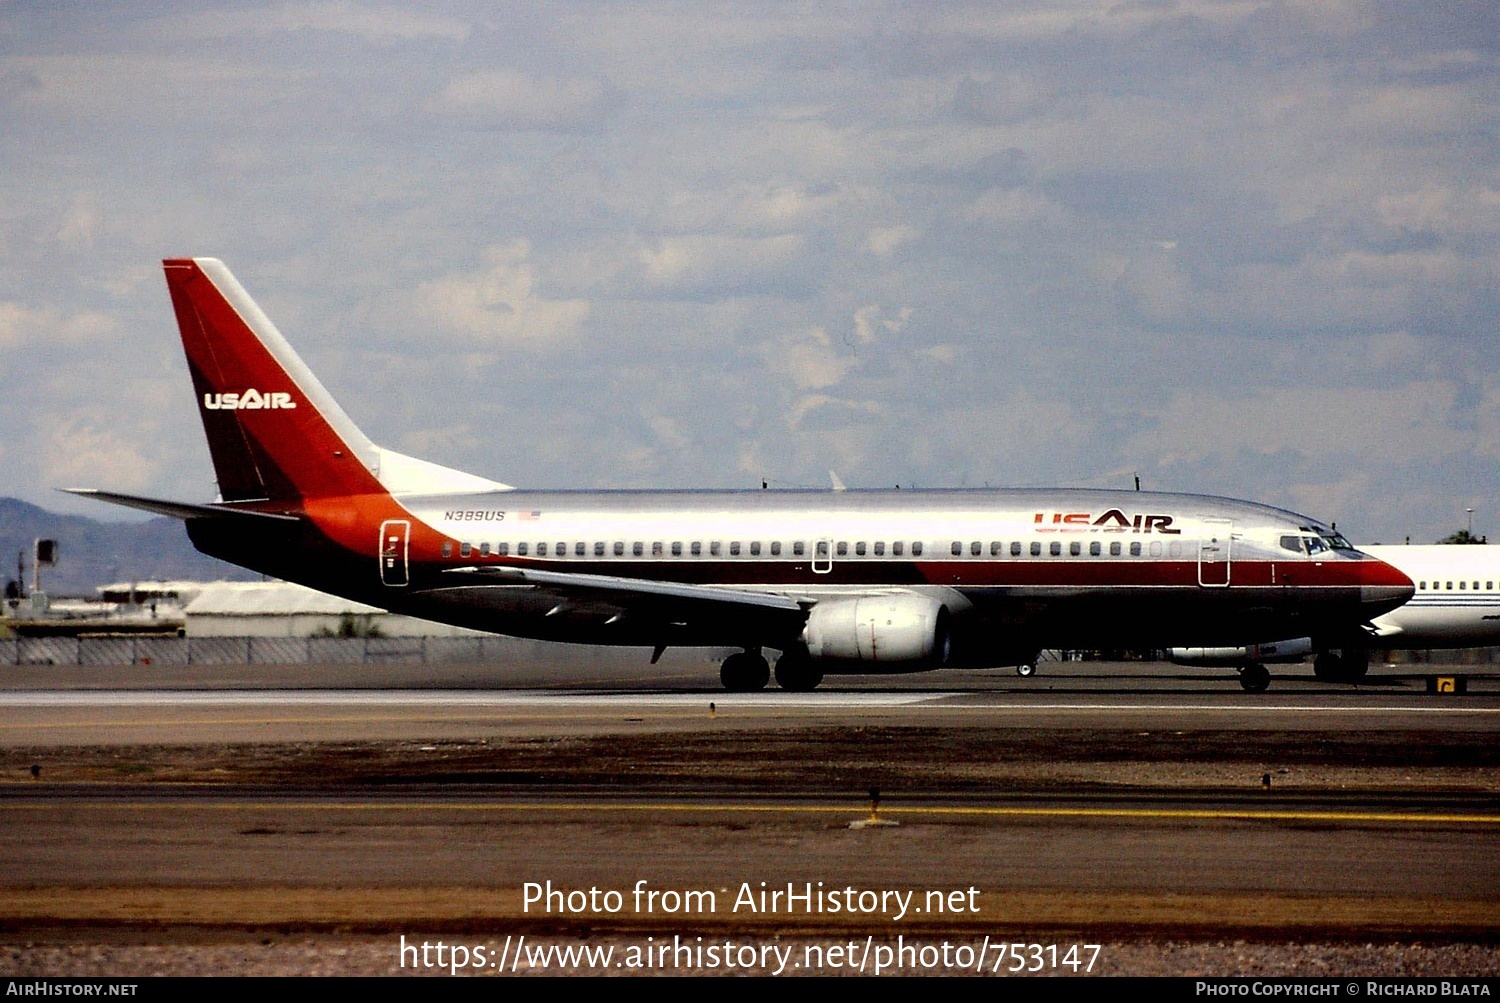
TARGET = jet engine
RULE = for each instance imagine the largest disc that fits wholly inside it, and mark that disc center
(885, 628)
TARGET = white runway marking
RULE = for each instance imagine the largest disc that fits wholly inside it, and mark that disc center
(449, 698)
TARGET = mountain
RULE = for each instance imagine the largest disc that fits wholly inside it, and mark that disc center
(92, 552)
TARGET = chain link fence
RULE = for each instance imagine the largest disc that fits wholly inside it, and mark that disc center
(251, 650)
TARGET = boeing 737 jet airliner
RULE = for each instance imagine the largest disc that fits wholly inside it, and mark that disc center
(840, 581)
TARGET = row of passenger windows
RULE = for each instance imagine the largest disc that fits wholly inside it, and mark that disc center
(822, 550)
(1448, 586)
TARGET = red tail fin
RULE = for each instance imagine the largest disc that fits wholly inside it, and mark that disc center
(273, 431)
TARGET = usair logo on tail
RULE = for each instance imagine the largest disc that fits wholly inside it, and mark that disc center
(250, 400)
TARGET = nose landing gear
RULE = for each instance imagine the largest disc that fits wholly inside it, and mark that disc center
(1254, 677)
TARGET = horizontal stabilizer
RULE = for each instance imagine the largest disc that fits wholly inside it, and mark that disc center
(179, 510)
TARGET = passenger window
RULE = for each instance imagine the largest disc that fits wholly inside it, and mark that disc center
(880, 548)
(1075, 549)
(1095, 549)
(713, 549)
(1135, 550)
(541, 550)
(755, 548)
(599, 549)
(734, 549)
(1448, 586)
(958, 548)
(1015, 549)
(1114, 549)
(696, 549)
(638, 549)
(484, 550)
(976, 548)
(657, 548)
(1174, 549)
(562, 550)
(897, 548)
(1422, 585)
(916, 548)
(859, 549)
(447, 548)
(1055, 549)
(581, 549)
(799, 548)
(463, 549)
(502, 549)
(676, 548)
(1036, 549)
(521, 549)
(842, 548)
(775, 548)
(1155, 548)
(619, 548)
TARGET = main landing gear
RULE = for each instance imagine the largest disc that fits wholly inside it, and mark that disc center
(1347, 666)
(1255, 677)
(797, 672)
(744, 672)
(748, 671)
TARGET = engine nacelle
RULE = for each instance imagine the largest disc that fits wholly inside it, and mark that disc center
(889, 628)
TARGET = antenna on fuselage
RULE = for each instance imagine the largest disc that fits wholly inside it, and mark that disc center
(1137, 482)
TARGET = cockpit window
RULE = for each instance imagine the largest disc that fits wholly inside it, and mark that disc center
(1336, 540)
(1315, 544)
(1292, 543)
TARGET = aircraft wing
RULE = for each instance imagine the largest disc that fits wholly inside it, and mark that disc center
(761, 613)
(610, 585)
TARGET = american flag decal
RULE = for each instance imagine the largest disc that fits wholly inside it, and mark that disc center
(530, 515)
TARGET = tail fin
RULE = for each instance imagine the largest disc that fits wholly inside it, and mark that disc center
(273, 431)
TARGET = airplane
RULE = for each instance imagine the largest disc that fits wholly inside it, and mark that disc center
(1456, 605)
(835, 581)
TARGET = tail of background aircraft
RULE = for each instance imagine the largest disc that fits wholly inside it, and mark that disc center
(274, 432)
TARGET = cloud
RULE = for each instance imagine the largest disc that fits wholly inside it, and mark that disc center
(499, 304)
(506, 99)
(89, 448)
(379, 24)
(1416, 422)
(711, 265)
(22, 325)
(883, 241)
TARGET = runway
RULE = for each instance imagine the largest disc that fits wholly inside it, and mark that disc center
(1100, 803)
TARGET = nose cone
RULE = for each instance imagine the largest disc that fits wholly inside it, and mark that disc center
(1382, 587)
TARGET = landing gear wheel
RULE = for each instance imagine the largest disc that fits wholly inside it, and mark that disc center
(1347, 666)
(1329, 668)
(1255, 679)
(796, 671)
(1026, 670)
(744, 672)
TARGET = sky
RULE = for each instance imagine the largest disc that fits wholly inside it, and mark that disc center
(1240, 248)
